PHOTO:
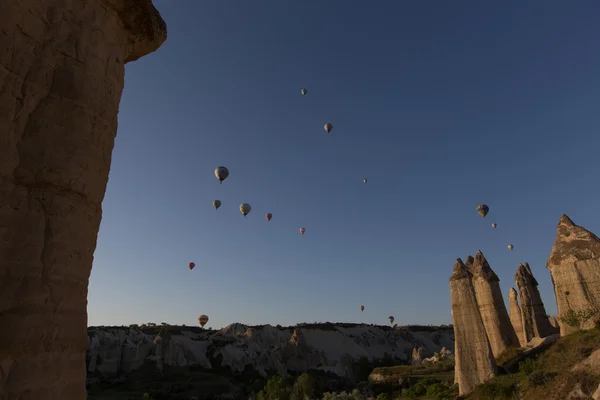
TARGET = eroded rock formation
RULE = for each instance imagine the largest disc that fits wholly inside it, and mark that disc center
(575, 267)
(474, 359)
(516, 318)
(61, 78)
(118, 351)
(496, 321)
(534, 317)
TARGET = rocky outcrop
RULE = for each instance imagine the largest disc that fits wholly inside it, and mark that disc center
(474, 359)
(116, 351)
(490, 302)
(575, 267)
(534, 317)
(61, 78)
(516, 318)
(554, 323)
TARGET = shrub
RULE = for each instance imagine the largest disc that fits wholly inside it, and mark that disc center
(539, 378)
(577, 319)
(498, 388)
(527, 367)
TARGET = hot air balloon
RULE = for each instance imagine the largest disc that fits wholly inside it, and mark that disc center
(328, 127)
(191, 265)
(362, 308)
(510, 246)
(364, 180)
(245, 209)
(302, 230)
(216, 204)
(304, 91)
(391, 319)
(202, 320)
(269, 216)
(482, 210)
(221, 173)
(494, 225)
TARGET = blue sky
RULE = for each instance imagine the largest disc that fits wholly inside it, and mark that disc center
(441, 105)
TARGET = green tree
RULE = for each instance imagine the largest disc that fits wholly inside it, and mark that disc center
(305, 387)
(276, 389)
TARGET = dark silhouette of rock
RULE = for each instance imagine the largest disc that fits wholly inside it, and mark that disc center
(575, 267)
(62, 67)
(534, 317)
(475, 361)
(496, 321)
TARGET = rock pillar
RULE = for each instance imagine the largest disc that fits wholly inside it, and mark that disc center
(575, 267)
(516, 318)
(475, 362)
(535, 319)
(500, 331)
(61, 78)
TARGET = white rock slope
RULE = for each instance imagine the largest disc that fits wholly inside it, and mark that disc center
(114, 351)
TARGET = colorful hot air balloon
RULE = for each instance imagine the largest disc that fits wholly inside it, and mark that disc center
(245, 209)
(482, 210)
(328, 127)
(362, 308)
(269, 216)
(364, 180)
(221, 173)
(191, 265)
(202, 320)
(510, 246)
(304, 91)
(494, 225)
(302, 230)
(391, 319)
(216, 204)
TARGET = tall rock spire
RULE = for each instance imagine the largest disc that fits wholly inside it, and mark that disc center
(516, 318)
(491, 305)
(475, 362)
(575, 267)
(534, 317)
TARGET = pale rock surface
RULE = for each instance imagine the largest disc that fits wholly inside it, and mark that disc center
(590, 364)
(117, 351)
(475, 362)
(417, 355)
(534, 317)
(577, 394)
(496, 321)
(442, 355)
(61, 78)
(553, 319)
(596, 395)
(516, 319)
(575, 267)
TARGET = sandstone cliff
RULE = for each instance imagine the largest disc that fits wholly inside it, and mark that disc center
(533, 313)
(61, 77)
(496, 321)
(575, 267)
(475, 362)
(516, 318)
(116, 351)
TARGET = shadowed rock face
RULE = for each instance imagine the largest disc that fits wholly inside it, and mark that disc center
(61, 78)
(575, 267)
(534, 317)
(516, 318)
(475, 362)
(469, 262)
(500, 331)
